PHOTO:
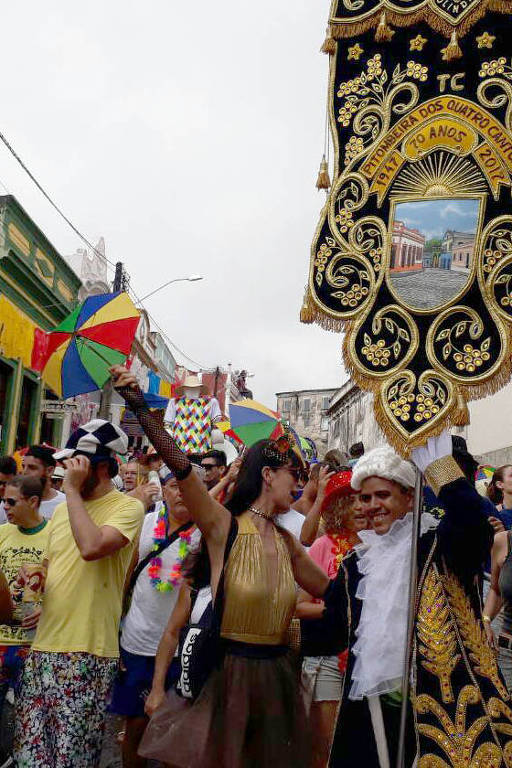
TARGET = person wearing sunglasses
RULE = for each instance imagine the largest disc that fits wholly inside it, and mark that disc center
(250, 711)
(22, 545)
(214, 464)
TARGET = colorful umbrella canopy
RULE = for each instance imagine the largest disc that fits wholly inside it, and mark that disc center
(251, 421)
(225, 428)
(484, 472)
(80, 351)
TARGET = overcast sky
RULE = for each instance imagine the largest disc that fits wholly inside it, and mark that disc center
(434, 217)
(189, 135)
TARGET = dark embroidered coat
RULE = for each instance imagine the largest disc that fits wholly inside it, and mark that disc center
(461, 714)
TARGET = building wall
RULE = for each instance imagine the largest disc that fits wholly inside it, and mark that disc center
(462, 257)
(408, 247)
(489, 436)
(490, 433)
(351, 420)
(37, 291)
(307, 413)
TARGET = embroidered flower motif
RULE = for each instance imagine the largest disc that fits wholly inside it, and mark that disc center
(494, 67)
(353, 148)
(374, 67)
(344, 219)
(377, 354)
(322, 257)
(416, 71)
(346, 112)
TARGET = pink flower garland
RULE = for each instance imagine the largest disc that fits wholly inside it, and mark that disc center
(155, 567)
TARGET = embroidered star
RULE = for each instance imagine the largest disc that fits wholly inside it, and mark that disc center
(355, 52)
(418, 43)
(486, 40)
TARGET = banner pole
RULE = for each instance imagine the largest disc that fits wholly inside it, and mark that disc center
(413, 582)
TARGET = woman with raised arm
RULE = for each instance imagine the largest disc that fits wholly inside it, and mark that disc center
(250, 712)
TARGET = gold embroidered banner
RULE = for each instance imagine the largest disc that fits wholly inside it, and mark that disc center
(412, 257)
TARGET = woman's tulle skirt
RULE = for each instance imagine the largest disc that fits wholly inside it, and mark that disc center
(250, 714)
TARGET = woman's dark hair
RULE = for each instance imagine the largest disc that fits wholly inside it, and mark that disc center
(493, 492)
(250, 479)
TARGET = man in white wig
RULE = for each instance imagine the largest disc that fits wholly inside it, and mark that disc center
(459, 711)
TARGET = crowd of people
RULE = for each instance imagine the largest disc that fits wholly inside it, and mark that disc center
(246, 615)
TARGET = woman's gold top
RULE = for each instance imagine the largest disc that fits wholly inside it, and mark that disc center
(253, 611)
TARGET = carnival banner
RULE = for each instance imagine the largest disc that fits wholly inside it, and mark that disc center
(413, 254)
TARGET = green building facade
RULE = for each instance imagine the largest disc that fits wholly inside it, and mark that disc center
(37, 290)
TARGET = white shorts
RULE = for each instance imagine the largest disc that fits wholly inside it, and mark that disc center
(321, 677)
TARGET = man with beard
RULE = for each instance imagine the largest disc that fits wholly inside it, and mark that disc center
(68, 674)
(457, 703)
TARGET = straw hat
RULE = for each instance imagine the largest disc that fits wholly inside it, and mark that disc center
(192, 382)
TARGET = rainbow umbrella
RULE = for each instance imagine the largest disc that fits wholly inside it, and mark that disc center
(484, 472)
(251, 421)
(225, 428)
(80, 351)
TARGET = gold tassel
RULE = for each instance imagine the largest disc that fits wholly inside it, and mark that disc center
(324, 180)
(307, 314)
(384, 32)
(329, 45)
(452, 50)
(461, 416)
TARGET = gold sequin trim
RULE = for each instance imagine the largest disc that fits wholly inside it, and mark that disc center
(436, 635)
(457, 738)
(473, 635)
(441, 472)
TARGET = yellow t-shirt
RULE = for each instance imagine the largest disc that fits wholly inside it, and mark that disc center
(17, 548)
(82, 600)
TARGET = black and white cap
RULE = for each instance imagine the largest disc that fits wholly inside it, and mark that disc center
(98, 439)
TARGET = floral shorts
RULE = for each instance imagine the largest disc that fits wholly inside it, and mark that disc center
(60, 710)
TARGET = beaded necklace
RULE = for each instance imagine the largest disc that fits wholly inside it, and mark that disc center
(155, 567)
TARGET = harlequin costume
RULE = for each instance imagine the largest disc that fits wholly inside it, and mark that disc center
(460, 709)
(192, 428)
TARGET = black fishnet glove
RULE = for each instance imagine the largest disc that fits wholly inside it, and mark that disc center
(158, 436)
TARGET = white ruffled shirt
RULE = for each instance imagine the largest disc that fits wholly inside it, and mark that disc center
(384, 563)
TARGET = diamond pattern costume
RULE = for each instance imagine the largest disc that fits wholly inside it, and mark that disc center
(192, 427)
(192, 423)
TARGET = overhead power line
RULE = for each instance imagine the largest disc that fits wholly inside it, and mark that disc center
(164, 334)
(54, 205)
(115, 266)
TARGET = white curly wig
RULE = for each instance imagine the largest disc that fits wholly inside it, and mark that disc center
(383, 462)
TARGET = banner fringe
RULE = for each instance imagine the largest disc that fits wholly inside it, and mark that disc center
(344, 29)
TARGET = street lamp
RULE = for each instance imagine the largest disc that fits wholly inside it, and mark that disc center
(191, 279)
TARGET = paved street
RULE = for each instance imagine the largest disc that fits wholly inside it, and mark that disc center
(111, 755)
(429, 288)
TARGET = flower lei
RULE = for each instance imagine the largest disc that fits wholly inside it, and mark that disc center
(160, 534)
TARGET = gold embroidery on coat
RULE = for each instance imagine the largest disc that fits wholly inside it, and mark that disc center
(437, 640)
(454, 738)
(473, 635)
(498, 708)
